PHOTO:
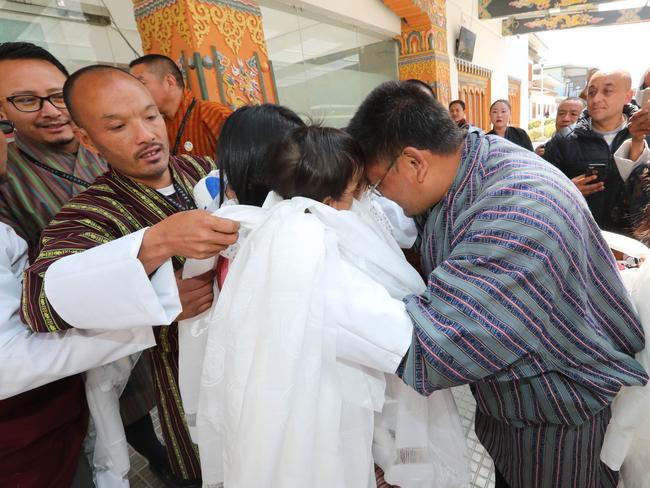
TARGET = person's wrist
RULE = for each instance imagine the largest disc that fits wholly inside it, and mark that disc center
(161, 241)
(155, 249)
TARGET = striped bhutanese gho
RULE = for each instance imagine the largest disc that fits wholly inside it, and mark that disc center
(524, 303)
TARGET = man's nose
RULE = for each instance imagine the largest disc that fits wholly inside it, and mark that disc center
(143, 134)
(49, 110)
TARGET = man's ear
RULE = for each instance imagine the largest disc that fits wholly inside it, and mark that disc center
(629, 96)
(84, 139)
(169, 81)
(417, 160)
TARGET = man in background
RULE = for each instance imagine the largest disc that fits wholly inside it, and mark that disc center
(600, 153)
(567, 114)
(193, 125)
(457, 112)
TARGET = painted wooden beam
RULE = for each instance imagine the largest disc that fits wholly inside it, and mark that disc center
(513, 26)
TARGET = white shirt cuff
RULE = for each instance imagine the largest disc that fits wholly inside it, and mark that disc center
(107, 287)
(624, 164)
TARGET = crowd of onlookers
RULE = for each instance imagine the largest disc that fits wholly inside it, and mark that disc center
(598, 143)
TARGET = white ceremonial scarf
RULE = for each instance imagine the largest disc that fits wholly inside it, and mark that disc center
(275, 406)
(626, 446)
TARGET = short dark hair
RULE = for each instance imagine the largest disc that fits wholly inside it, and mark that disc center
(504, 101)
(162, 65)
(422, 85)
(68, 87)
(314, 162)
(457, 102)
(27, 50)
(243, 148)
(396, 115)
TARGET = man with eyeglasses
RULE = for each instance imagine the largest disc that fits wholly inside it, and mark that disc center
(46, 166)
(523, 302)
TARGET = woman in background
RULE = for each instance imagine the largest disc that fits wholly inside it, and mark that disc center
(500, 112)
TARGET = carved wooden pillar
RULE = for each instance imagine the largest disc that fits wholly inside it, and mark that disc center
(423, 43)
(218, 44)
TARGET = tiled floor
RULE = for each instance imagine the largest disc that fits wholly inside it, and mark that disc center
(480, 461)
(141, 476)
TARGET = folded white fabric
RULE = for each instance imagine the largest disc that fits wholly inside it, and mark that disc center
(291, 378)
(627, 441)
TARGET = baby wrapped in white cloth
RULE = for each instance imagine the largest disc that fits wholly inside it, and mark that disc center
(307, 332)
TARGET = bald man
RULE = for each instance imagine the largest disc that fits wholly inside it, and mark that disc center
(606, 145)
(568, 112)
(112, 256)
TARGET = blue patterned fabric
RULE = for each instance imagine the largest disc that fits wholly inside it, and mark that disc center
(524, 303)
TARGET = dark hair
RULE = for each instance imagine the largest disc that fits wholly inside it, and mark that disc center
(314, 162)
(244, 144)
(457, 102)
(68, 87)
(422, 85)
(27, 50)
(162, 65)
(396, 115)
(501, 100)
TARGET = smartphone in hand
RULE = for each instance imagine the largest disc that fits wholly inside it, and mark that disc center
(599, 169)
(643, 97)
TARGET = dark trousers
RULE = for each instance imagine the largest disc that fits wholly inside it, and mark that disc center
(500, 480)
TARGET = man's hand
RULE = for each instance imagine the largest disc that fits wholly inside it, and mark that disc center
(539, 150)
(196, 294)
(639, 128)
(192, 234)
(586, 184)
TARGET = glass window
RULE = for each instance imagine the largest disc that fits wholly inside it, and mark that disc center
(78, 34)
(324, 70)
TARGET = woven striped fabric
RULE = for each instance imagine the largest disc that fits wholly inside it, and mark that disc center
(30, 196)
(201, 131)
(115, 206)
(525, 304)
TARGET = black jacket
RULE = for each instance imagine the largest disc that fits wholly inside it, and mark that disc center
(517, 136)
(573, 153)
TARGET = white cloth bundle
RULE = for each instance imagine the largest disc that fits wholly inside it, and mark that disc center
(104, 386)
(295, 349)
(627, 441)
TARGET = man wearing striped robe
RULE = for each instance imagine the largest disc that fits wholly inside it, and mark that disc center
(134, 224)
(523, 300)
(46, 167)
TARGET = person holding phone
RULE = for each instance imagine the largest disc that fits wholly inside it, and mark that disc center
(606, 146)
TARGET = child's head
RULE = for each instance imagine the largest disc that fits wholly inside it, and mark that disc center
(320, 163)
(244, 144)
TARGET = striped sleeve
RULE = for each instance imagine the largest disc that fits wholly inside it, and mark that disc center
(467, 324)
(71, 233)
(487, 306)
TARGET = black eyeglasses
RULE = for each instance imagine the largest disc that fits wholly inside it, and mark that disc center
(34, 103)
(374, 188)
